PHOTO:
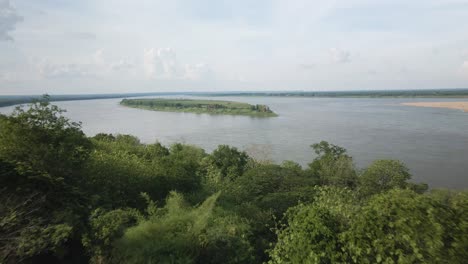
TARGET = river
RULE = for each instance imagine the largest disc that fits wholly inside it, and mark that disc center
(433, 142)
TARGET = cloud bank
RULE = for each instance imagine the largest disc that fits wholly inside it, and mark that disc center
(162, 63)
(85, 46)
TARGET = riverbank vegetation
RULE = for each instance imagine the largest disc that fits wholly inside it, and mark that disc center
(69, 198)
(200, 106)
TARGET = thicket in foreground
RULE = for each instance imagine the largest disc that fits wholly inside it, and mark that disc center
(67, 198)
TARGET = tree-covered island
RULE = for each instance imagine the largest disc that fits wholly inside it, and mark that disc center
(200, 106)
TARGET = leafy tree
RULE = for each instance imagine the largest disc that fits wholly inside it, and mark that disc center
(312, 232)
(104, 137)
(105, 229)
(34, 222)
(451, 208)
(332, 166)
(323, 148)
(41, 138)
(268, 186)
(183, 167)
(384, 175)
(225, 163)
(155, 151)
(399, 226)
(116, 179)
(116, 174)
(42, 154)
(25, 230)
(177, 233)
(263, 193)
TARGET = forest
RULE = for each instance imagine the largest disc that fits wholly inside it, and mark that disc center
(69, 198)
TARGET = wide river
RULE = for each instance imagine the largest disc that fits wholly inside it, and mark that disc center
(433, 142)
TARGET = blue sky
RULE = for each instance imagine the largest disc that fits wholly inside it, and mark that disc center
(101, 46)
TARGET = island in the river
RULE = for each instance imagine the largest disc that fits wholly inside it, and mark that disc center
(451, 105)
(200, 106)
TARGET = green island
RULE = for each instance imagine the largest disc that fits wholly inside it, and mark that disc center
(69, 198)
(216, 107)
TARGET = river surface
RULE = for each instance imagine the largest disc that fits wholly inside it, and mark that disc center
(433, 142)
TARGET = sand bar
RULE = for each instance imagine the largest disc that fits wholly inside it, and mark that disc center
(452, 105)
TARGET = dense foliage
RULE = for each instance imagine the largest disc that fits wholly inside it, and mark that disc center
(68, 198)
(200, 106)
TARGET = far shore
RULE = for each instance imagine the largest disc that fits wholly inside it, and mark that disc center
(451, 105)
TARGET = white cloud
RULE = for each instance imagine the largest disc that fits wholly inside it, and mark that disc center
(8, 19)
(340, 56)
(163, 64)
(273, 44)
(98, 57)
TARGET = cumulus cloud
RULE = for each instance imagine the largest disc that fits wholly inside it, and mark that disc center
(340, 56)
(163, 64)
(8, 19)
(98, 57)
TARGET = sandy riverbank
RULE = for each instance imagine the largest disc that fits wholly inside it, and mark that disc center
(452, 105)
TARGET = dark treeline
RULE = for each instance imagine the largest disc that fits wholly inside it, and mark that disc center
(7, 100)
(356, 93)
(68, 198)
(23, 99)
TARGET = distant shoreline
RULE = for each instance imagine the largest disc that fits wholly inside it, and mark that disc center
(450, 105)
(9, 100)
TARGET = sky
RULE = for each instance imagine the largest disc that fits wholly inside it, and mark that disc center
(114, 46)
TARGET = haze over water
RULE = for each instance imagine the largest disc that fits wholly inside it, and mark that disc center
(433, 142)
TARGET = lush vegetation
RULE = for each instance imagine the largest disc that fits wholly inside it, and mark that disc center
(68, 198)
(200, 106)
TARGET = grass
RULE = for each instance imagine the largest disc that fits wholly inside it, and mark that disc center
(216, 107)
